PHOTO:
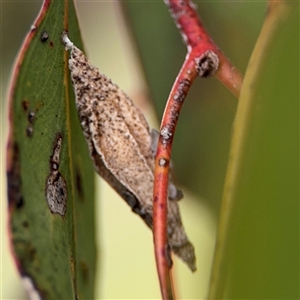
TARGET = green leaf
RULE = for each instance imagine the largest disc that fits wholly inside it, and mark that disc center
(257, 254)
(54, 252)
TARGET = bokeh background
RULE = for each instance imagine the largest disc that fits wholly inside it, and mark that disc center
(139, 47)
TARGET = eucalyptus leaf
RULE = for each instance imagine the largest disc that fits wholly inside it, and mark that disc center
(50, 176)
(257, 254)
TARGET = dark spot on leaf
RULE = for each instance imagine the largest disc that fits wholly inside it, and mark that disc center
(44, 36)
(79, 186)
(15, 197)
(31, 117)
(25, 224)
(27, 249)
(72, 264)
(84, 271)
(25, 104)
(31, 253)
(20, 202)
(29, 131)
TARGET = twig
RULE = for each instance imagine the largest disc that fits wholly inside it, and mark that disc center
(199, 42)
(181, 86)
(203, 59)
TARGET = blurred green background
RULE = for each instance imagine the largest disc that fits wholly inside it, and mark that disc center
(201, 144)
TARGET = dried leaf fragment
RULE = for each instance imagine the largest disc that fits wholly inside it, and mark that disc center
(122, 146)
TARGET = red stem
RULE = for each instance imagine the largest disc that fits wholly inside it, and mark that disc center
(204, 59)
(182, 84)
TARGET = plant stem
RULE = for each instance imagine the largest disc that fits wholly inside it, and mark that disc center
(203, 59)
